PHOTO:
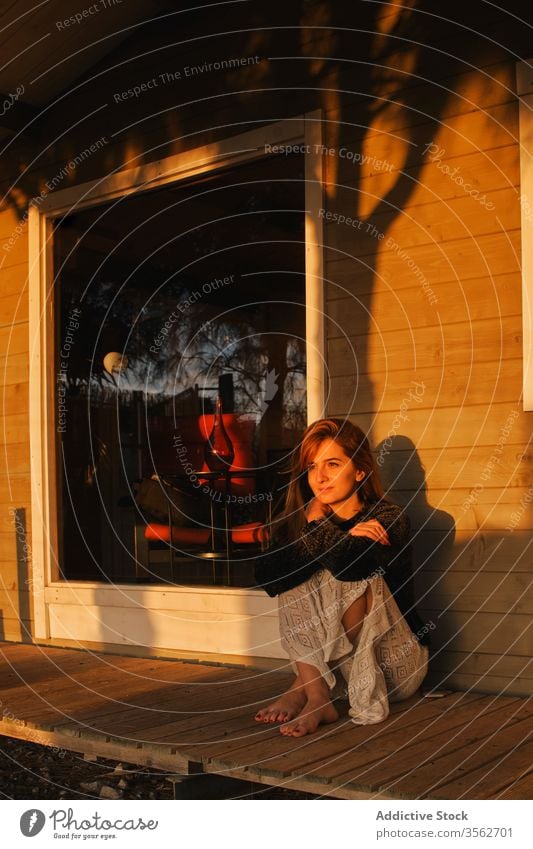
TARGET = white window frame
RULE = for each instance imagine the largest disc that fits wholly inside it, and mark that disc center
(524, 89)
(244, 621)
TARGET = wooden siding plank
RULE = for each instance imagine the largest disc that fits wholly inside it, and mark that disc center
(481, 664)
(432, 426)
(489, 495)
(14, 340)
(384, 311)
(14, 280)
(13, 308)
(492, 84)
(417, 413)
(506, 683)
(462, 467)
(454, 258)
(458, 389)
(14, 253)
(8, 520)
(16, 398)
(481, 517)
(14, 428)
(17, 458)
(493, 551)
(15, 369)
(8, 548)
(468, 520)
(15, 629)
(455, 344)
(495, 592)
(471, 132)
(479, 631)
(13, 601)
(13, 568)
(486, 172)
(343, 286)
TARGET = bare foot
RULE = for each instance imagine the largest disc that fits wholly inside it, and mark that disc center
(286, 707)
(316, 712)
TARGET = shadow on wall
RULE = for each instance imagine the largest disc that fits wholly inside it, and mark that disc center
(404, 479)
(433, 530)
(23, 573)
(2, 635)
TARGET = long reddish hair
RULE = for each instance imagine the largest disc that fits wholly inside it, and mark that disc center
(355, 445)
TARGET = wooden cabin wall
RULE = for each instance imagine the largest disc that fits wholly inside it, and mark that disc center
(425, 351)
(15, 535)
(427, 326)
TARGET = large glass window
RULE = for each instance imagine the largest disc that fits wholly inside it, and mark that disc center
(165, 300)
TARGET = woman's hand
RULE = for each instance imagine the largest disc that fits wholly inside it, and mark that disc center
(371, 529)
(316, 510)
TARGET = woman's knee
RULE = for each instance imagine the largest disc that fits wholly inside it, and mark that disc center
(353, 618)
(369, 597)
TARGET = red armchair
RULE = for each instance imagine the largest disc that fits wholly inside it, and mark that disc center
(177, 450)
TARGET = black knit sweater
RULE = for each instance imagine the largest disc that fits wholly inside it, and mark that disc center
(327, 545)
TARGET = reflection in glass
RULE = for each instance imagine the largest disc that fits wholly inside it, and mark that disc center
(200, 290)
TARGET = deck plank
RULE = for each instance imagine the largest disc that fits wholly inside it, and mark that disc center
(167, 706)
(428, 763)
(166, 758)
(281, 755)
(37, 704)
(181, 732)
(98, 694)
(350, 736)
(184, 717)
(383, 758)
(497, 762)
(521, 788)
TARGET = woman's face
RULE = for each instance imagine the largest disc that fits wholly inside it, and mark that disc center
(334, 478)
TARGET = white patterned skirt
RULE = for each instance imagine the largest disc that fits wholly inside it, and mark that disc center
(387, 663)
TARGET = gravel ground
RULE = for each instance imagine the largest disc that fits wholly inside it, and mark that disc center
(31, 771)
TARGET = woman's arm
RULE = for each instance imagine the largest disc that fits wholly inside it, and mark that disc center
(352, 557)
(284, 567)
(323, 545)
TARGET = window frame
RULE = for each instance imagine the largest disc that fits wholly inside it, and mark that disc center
(57, 602)
(524, 90)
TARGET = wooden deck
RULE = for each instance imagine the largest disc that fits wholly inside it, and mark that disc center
(188, 717)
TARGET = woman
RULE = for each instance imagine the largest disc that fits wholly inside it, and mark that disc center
(341, 567)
